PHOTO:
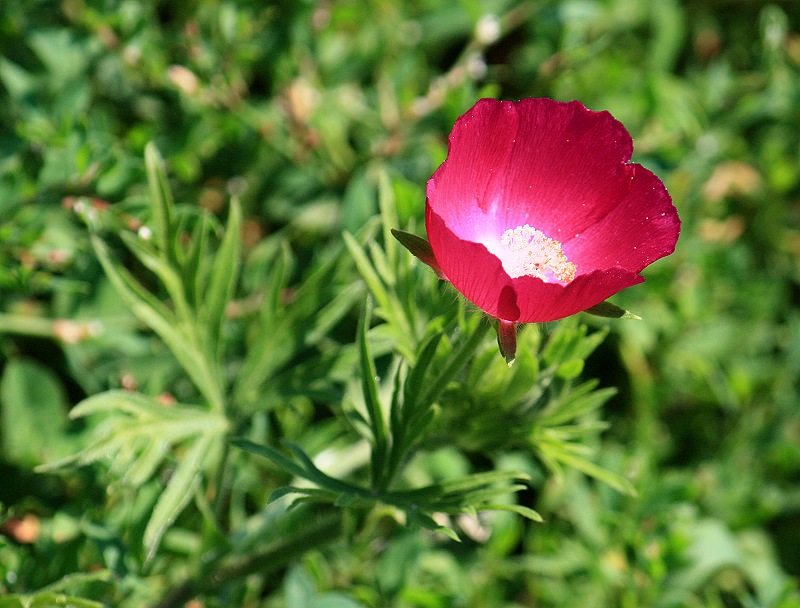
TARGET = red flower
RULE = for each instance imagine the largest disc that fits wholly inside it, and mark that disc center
(537, 213)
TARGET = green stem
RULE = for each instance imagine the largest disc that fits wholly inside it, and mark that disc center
(26, 325)
(458, 360)
(276, 555)
(402, 444)
(221, 484)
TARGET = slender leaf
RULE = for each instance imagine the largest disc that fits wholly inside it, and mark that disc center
(168, 274)
(160, 201)
(175, 333)
(333, 312)
(369, 387)
(177, 494)
(271, 454)
(192, 275)
(224, 273)
(526, 512)
(389, 218)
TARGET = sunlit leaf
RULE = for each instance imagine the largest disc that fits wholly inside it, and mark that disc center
(178, 492)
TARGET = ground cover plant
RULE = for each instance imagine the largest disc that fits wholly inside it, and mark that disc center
(226, 381)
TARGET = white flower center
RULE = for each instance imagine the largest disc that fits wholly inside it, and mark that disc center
(532, 254)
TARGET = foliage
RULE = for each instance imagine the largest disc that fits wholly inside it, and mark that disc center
(223, 379)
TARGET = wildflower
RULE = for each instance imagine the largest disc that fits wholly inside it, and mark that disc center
(537, 212)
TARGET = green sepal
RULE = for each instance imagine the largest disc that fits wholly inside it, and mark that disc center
(420, 248)
(611, 311)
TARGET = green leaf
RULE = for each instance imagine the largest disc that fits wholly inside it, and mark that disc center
(52, 600)
(389, 218)
(526, 512)
(575, 404)
(160, 202)
(571, 369)
(224, 272)
(369, 387)
(334, 600)
(389, 306)
(615, 480)
(168, 274)
(34, 412)
(270, 454)
(178, 334)
(415, 380)
(426, 521)
(194, 281)
(333, 312)
(179, 490)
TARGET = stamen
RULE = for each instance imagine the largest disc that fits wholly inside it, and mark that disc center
(536, 255)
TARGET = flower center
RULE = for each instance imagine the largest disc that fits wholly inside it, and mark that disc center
(532, 254)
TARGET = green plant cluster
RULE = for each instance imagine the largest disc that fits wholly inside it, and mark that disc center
(223, 382)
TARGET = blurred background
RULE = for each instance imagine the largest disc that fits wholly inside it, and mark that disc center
(297, 107)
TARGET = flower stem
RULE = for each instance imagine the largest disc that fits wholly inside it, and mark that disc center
(402, 443)
(457, 362)
(277, 554)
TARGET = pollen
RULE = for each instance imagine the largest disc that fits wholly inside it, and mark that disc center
(533, 254)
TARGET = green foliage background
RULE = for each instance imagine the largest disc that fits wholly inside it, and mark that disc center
(247, 287)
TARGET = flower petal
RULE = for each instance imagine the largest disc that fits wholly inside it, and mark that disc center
(480, 277)
(472, 270)
(642, 228)
(539, 302)
(556, 166)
